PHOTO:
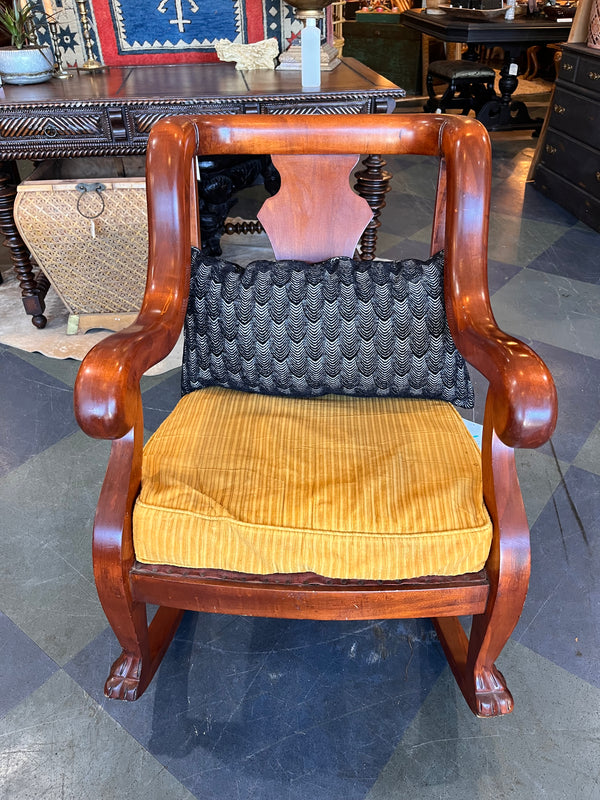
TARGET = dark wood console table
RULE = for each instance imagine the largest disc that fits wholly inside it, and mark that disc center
(110, 113)
(512, 35)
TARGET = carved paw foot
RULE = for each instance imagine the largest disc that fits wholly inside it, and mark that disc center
(492, 698)
(124, 680)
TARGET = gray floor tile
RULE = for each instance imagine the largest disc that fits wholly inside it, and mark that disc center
(499, 274)
(515, 197)
(577, 378)
(547, 749)
(60, 744)
(574, 255)
(539, 475)
(27, 393)
(150, 381)
(419, 179)
(551, 309)
(516, 240)
(45, 547)
(273, 709)
(589, 455)
(161, 399)
(23, 666)
(561, 617)
(394, 247)
(63, 369)
(405, 213)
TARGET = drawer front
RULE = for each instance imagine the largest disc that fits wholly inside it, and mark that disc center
(358, 106)
(567, 66)
(578, 116)
(47, 126)
(141, 120)
(578, 202)
(588, 74)
(576, 162)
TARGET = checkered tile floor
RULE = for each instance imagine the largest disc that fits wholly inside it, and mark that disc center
(283, 710)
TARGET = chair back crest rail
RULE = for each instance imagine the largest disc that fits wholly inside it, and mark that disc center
(315, 156)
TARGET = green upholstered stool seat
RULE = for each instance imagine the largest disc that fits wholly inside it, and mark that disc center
(470, 85)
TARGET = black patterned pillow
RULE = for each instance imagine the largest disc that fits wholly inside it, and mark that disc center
(363, 328)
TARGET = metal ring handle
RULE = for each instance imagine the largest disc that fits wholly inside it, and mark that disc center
(86, 188)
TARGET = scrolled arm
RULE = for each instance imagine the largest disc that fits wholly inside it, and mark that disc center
(107, 389)
(522, 390)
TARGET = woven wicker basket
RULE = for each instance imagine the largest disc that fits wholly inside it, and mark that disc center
(92, 243)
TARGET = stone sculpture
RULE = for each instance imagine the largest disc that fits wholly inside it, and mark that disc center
(258, 55)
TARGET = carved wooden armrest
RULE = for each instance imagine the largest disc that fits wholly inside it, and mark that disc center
(107, 388)
(522, 395)
(521, 388)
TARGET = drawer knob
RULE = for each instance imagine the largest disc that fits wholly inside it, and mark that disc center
(594, 76)
(559, 109)
(51, 131)
(550, 149)
(567, 67)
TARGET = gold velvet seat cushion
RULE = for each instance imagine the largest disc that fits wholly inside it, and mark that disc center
(368, 488)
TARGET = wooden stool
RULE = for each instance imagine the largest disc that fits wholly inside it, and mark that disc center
(470, 85)
(453, 51)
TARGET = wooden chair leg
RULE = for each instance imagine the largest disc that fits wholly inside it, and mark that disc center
(143, 649)
(143, 645)
(454, 51)
(472, 660)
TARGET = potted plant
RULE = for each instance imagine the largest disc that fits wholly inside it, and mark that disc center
(24, 61)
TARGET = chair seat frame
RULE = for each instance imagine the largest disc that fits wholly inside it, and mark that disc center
(520, 407)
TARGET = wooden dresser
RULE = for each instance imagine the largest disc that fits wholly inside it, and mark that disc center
(568, 170)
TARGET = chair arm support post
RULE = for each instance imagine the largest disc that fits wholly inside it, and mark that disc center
(112, 523)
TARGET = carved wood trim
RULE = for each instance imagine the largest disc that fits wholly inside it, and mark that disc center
(52, 126)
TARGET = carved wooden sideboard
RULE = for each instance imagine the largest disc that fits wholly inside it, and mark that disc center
(568, 170)
(110, 113)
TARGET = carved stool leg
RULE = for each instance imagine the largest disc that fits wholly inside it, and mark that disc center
(33, 292)
(372, 183)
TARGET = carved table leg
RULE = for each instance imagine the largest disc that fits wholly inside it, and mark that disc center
(504, 113)
(372, 183)
(33, 291)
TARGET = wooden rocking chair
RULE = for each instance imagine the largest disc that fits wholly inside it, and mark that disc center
(305, 478)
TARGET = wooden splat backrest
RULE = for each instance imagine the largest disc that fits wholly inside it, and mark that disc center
(316, 214)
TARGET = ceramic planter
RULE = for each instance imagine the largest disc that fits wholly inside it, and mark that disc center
(28, 65)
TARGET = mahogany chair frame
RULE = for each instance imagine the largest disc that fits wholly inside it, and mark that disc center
(520, 408)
